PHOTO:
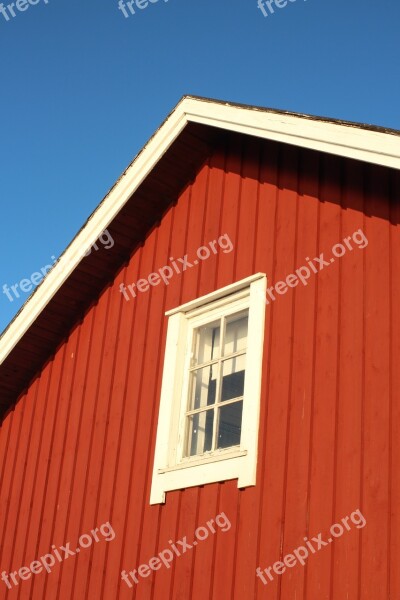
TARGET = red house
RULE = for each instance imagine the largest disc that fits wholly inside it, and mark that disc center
(208, 406)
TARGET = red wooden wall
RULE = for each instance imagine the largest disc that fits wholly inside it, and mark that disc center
(77, 449)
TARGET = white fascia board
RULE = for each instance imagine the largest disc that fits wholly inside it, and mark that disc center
(333, 138)
(352, 142)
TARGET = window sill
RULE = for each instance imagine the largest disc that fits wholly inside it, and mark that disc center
(214, 457)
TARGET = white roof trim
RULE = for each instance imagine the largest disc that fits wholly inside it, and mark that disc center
(334, 138)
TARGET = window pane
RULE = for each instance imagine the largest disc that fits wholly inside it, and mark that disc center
(230, 425)
(206, 343)
(233, 377)
(200, 430)
(236, 333)
(203, 385)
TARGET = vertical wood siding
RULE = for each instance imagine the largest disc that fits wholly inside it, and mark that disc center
(77, 449)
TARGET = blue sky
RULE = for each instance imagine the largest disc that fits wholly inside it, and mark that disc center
(82, 88)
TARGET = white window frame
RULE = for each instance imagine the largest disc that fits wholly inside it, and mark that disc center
(171, 471)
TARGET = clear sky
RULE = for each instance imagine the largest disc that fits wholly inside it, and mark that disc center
(82, 88)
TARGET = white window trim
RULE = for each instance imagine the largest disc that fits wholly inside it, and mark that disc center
(221, 465)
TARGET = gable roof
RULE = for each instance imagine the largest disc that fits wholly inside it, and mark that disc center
(139, 198)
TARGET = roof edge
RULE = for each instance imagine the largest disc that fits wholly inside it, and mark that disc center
(277, 111)
(333, 137)
(341, 138)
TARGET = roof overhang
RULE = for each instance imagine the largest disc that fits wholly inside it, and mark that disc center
(369, 144)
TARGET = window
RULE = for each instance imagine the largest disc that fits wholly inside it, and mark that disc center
(216, 385)
(209, 410)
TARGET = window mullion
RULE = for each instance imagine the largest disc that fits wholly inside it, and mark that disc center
(196, 411)
(219, 384)
(215, 360)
